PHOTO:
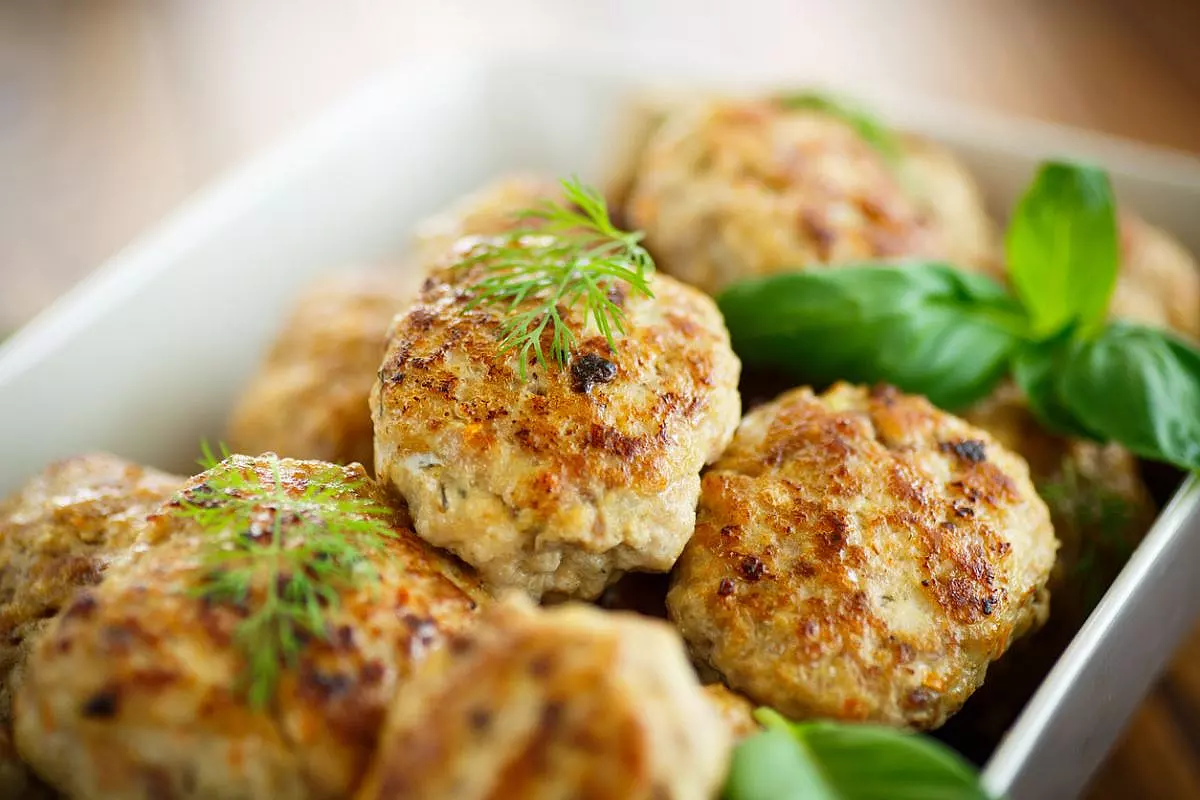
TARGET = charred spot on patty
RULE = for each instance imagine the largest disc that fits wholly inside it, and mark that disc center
(970, 450)
(590, 369)
(102, 705)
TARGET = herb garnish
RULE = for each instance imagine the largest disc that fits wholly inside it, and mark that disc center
(954, 338)
(282, 546)
(570, 254)
(1062, 249)
(869, 129)
(861, 323)
(830, 761)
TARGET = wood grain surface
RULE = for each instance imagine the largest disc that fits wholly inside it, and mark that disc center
(111, 113)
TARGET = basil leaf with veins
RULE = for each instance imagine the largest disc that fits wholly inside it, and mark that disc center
(1062, 249)
(924, 327)
(1139, 387)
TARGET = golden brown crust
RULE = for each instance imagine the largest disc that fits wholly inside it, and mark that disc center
(881, 551)
(730, 189)
(568, 703)
(490, 210)
(133, 689)
(642, 114)
(735, 709)
(560, 482)
(309, 398)
(60, 532)
(1098, 502)
(1100, 509)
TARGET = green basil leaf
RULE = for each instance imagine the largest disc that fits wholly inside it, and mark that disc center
(1140, 387)
(771, 766)
(1036, 367)
(926, 328)
(865, 762)
(830, 761)
(873, 132)
(1062, 248)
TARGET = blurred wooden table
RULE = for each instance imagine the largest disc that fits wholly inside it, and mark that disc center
(112, 112)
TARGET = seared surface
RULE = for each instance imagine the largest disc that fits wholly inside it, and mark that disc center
(488, 211)
(547, 705)
(862, 556)
(1098, 502)
(309, 398)
(59, 532)
(557, 483)
(133, 691)
(735, 710)
(1100, 509)
(730, 189)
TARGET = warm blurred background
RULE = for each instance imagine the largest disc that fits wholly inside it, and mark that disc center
(112, 112)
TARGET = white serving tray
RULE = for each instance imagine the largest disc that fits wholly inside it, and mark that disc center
(144, 357)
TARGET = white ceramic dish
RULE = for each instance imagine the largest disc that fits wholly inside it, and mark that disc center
(144, 357)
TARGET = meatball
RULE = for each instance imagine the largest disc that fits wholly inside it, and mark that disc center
(59, 532)
(1098, 502)
(137, 688)
(735, 710)
(641, 116)
(488, 211)
(567, 703)
(1159, 282)
(560, 481)
(1100, 509)
(732, 189)
(861, 555)
(309, 398)
(947, 194)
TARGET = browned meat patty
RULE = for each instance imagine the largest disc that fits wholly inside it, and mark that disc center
(136, 690)
(309, 397)
(59, 532)
(553, 705)
(861, 555)
(560, 482)
(727, 189)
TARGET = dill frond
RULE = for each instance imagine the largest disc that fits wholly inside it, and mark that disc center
(571, 254)
(207, 459)
(282, 553)
(871, 130)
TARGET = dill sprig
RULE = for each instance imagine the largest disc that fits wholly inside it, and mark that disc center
(281, 551)
(570, 254)
(208, 459)
(869, 129)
